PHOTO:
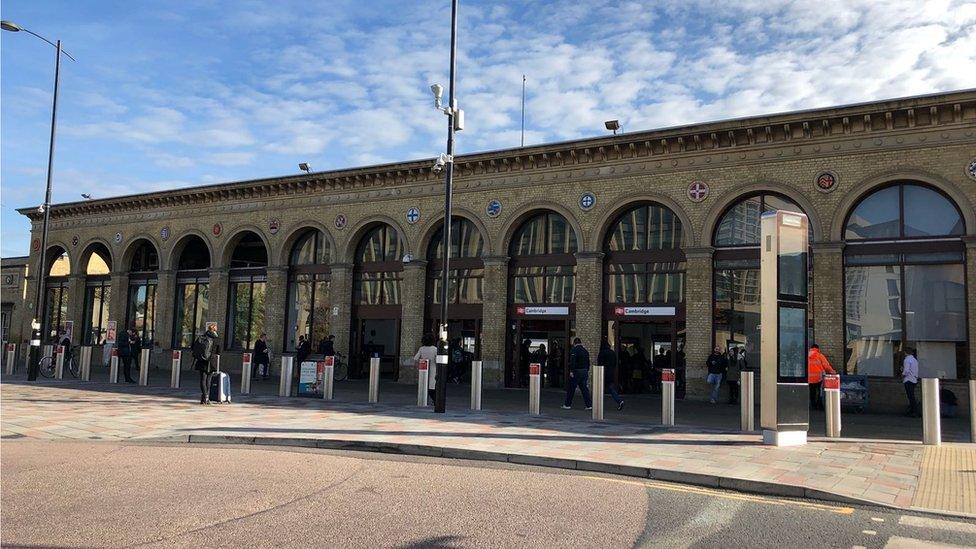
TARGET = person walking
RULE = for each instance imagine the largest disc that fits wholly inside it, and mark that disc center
(608, 359)
(206, 350)
(542, 357)
(302, 350)
(428, 351)
(262, 358)
(125, 354)
(732, 379)
(717, 367)
(909, 378)
(579, 374)
(817, 366)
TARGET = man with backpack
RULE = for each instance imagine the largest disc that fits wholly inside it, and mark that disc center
(205, 351)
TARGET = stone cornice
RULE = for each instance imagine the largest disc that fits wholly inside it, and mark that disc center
(674, 147)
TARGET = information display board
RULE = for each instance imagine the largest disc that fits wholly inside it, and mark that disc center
(310, 378)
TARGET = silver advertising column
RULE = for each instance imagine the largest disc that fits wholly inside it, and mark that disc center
(785, 413)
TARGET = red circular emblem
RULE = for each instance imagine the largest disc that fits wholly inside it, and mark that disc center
(36, 245)
(826, 181)
(217, 229)
(697, 191)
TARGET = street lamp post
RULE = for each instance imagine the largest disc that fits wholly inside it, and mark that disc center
(35, 348)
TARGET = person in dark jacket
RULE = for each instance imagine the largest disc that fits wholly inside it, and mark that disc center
(207, 366)
(718, 365)
(302, 350)
(126, 351)
(327, 346)
(579, 373)
(262, 358)
(608, 359)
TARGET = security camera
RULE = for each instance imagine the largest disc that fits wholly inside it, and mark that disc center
(438, 92)
(439, 164)
(407, 257)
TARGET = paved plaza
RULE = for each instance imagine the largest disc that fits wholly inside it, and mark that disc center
(895, 473)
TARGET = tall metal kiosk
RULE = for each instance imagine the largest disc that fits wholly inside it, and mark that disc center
(785, 413)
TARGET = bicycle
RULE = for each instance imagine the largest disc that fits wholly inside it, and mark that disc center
(340, 368)
(47, 365)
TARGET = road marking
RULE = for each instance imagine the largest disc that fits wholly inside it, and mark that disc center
(951, 525)
(877, 519)
(896, 542)
(870, 532)
(727, 495)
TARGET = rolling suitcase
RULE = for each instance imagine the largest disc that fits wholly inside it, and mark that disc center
(219, 387)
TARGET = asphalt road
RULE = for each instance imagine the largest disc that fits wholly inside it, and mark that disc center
(124, 494)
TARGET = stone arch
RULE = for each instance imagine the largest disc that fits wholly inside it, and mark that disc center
(356, 234)
(283, 254)
(125, 260)
(432, 225)
(173, 258)
(721, 206)
(89, 248)
(234, 238)
(526, 211)
(874, 182)
(605, 221)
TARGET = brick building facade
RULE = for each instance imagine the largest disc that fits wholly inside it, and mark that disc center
(695, 181)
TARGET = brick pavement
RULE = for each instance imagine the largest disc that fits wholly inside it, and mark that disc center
(881, 472)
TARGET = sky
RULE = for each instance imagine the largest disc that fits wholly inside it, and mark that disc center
(166, 95)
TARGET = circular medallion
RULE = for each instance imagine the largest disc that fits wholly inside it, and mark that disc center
(494, 209)
(825, 181)
(118, 238)
(164, 233)
(697, 191)
(340, 222)
(971, 169)
(413, 215)
(586, 201)
(36, 245)
(274, 225)
(8, 279)
(75, 240)
(217, 229)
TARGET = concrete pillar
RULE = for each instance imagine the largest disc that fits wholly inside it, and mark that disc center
(699, 307)
(828, 300)
(76, 307)
(276, 308)
(117, 303)
(589, 299)
(165, 308)
(493, 331)
(971, 292)
(217, 305)
(413, 293)
(340, 289)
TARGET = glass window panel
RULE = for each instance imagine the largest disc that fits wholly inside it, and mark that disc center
(257, 313)
(391, 289)
(394, 247)
(96, 265)
(61, 266)
(930, 213)
(935, 257)
(466, 241)
(530, 239)
(195, 255)
(876, 216)
(664, 229)
(630, 232)
(871, 259)
(145, 258)
(240, 304)
(323, 311)
(740, 225)
(935, 303)
(299, 310)
(792, 332)
(872, 301)
(471, 289)
(369, 288)
(249, 252)
(304, 252)
(528, 289)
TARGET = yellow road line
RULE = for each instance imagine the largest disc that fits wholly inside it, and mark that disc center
(729, 495)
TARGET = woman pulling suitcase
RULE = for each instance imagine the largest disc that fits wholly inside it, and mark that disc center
(206, 351)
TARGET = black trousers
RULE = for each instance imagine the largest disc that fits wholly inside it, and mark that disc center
(912, 402)
(127, 368)
(815, 396)
(204, 386)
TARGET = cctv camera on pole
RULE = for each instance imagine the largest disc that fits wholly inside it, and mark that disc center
(785, 394)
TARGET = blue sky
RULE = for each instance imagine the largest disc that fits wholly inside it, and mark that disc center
(176, 94)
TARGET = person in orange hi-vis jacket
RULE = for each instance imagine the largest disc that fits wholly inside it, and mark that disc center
(817, 366)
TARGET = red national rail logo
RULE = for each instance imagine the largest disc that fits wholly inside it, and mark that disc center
(534, 369)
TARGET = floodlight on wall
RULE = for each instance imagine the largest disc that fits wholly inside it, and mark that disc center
(305, 167)
(613, 125)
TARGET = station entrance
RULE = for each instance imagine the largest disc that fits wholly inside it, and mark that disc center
(543, 340)
(644, 348)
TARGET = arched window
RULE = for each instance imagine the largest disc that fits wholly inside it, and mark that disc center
(904, 282)
(309, 300)
(248, 280)
(56, 294)
(644, 262)
(192, 290)
(141, 302)
(379, 267)
(467, 267)
(98, 295)
(543, 260)
(736, 284)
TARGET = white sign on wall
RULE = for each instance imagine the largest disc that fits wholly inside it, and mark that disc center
(644, 311)
(542, 310)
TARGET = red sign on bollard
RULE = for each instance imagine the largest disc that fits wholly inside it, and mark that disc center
(329, 361)
(535, 369)
(11, 347)
(667, 374)
(115, 352)
(423, 364)
(831, 382)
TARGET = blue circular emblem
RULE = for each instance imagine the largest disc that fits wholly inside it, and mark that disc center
(413, 215)
(494, 209)
(587, 200)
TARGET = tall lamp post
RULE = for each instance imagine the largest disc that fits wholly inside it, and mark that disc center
(455, 122)
(35, 348)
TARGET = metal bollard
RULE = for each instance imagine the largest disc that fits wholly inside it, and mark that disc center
(931, 421)
(831, 385)
(84, 362)
(113, 367)
(476, 385)
(144, 367)
(598, 397)
(747, 401)
(48, 350)
(423, 376)
(174, 376)
(374, 380)
(328, 381)
(667, 397)
(246, 373)
(284, 384)
(535, 388)
(972, 410)
(59, 363)
(9, 359)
